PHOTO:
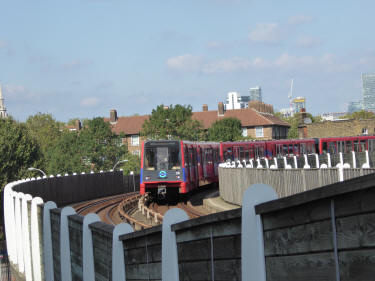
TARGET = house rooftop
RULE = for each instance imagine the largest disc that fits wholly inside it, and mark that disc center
(131, 125)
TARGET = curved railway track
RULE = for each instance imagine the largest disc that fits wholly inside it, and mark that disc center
(133, 209)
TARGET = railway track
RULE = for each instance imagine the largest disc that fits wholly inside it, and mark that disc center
(134, 209)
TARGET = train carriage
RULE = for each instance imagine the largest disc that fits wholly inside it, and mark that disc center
(346, 144)
(177, 167)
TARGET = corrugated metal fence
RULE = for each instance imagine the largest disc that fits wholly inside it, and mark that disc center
(234, 181)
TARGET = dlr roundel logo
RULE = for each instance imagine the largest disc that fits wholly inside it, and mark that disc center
(162, 174)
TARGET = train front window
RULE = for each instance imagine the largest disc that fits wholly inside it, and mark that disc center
(162, 158)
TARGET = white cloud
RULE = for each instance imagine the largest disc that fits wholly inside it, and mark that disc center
(307, 41)
(227, 65)
(189, 63)
(18, 92)
(185, 62)
(287, 61)
(300, 19)
(269, 33)
(90, 102)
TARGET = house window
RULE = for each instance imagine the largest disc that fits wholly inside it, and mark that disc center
(244, 132)
(259, 132)
(135, 140)
(136, 152)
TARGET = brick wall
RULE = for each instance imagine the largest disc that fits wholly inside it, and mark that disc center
(128, 142)
(338, 128)
(268, 133)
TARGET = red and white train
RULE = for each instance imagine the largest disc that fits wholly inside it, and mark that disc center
(181, 166)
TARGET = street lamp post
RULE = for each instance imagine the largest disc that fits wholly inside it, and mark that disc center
(132, 174)
(39, 170)
(118, 162)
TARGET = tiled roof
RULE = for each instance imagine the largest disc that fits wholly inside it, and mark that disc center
(248, 117)
(129, 125)
(132, 125)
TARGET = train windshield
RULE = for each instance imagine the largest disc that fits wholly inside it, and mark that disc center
(162, 158)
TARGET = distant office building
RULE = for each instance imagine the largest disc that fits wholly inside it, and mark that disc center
(299, 103)
(3, 111)
(332, 116)
(368, 89)
(235, 101)
(256, 93)
(354, 106)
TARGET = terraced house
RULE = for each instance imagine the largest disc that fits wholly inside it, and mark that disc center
(258, 122)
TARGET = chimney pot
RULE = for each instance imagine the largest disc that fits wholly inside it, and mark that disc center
(220, 108)
(205, 107)
(78, 125)
(113, 116)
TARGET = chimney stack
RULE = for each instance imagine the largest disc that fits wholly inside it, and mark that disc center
(113, 116)
(205, 107)
(78, 125)
(220, 109)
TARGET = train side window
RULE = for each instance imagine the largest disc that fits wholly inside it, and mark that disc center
(296, 149)
(341, 146)
(356, 146)
(251, 151)
(332, 148)
(228, 154)
(303, 148)
(371, 145)
(242, 153)
(150, 159)
(348, 146)
(309, 149)
(363, 145)
(186, 157)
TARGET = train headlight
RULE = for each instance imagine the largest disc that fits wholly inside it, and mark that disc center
(147, 178)
(178, 177)
(178, 172)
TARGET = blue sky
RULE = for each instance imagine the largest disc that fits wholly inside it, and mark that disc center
(81, 58)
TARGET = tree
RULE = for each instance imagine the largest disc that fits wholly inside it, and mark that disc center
(133, 164)
(45, 130)
(227, 129)
(99, 146)
(363, 114)
(18, 151)
(66, 155)
(173, 122)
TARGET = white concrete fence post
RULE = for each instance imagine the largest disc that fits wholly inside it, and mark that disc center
(9, 221)
(252, 247)
(47, 241)
(317, 161)
(169, 267)
(65, 262)
(118, 259)
(18, 236)
(35, 237)
(26, 237)
(87, 248)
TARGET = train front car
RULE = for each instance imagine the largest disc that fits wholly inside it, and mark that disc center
(161, 168)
